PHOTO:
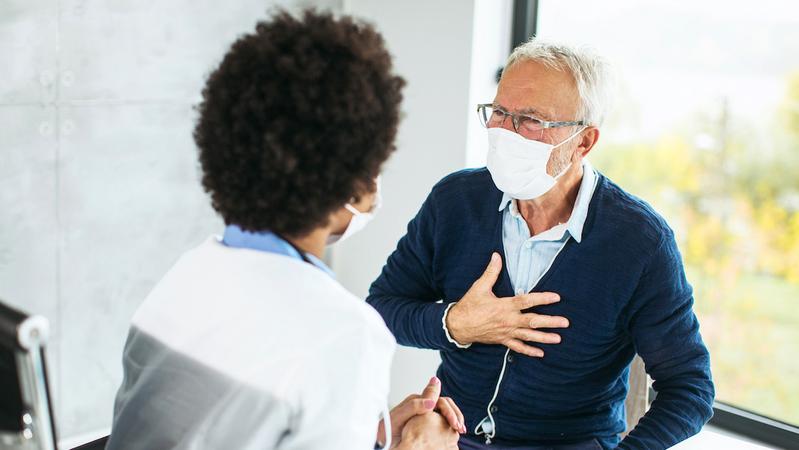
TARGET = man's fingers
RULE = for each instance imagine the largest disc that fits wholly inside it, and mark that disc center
(533, 320)
(528, 335)
(491, 274)
(526, 301)
(445, 409)
(520, 347)
(432, 391)
(458, 413)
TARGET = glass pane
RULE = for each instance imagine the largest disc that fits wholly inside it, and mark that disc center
(706, 128)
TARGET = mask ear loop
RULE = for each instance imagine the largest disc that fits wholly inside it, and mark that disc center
(378, 201)
(352, 209)
(570, 137)
(556, 177)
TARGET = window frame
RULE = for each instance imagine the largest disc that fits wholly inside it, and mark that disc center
(754, 426)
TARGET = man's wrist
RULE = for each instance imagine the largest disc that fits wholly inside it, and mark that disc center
(446, 323)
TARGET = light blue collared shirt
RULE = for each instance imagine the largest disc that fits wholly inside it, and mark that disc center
(267, 241)
(527, 258)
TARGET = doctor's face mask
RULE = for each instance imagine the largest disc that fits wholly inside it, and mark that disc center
(359, 219)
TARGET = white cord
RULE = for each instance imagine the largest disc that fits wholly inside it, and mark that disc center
(496, 392)
(478, 430)
(386, 418)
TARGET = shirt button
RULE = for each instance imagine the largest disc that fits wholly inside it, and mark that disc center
(494, 408)
(520, 291)
(528, 244)
(510, 358)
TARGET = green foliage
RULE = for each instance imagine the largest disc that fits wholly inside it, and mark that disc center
(734, 204)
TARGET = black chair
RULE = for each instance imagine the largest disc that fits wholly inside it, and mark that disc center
(26, 413)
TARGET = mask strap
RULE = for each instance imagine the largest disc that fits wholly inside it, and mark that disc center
(378, 202)
(565, 141)
(570, 137)
(352, 209)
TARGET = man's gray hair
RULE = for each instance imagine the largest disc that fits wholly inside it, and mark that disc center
(591, 73)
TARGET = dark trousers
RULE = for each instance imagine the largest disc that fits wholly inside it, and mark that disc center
(478, 443)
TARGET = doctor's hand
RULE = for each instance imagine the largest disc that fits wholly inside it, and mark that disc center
(482, 317)
(415, 405)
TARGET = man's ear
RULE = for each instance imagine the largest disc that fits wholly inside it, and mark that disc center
(589, 139)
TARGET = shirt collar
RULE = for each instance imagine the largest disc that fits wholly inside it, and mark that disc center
(266, 241)
(576, 221)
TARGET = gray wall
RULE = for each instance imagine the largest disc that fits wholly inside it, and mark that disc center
(99, 189)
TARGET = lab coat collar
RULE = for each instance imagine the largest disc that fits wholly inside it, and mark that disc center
(269, 242)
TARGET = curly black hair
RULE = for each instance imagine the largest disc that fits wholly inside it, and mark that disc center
(296, 121)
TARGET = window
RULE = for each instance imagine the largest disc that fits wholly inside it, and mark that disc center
(706, 128)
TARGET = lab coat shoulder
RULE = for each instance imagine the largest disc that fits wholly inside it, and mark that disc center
(261, 301)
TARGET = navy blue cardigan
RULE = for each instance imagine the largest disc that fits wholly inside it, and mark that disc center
(623, 290)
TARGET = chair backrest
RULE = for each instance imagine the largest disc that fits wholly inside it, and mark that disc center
(26, 418)
(637, 401)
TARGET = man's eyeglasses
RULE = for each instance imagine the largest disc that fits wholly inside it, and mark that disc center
(526, 125)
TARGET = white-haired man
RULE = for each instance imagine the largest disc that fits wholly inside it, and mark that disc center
(582, 276)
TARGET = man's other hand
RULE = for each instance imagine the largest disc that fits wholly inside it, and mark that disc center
(414, 405)
(428, 431)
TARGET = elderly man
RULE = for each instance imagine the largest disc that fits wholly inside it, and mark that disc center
(536, 347)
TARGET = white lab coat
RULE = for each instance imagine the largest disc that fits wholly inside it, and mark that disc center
(243, 349)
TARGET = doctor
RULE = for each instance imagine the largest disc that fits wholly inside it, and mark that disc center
(248, 341)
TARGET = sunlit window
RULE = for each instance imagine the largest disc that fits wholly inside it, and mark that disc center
(706, 128)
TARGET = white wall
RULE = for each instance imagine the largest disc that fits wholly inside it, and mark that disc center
(490, 49)
(99, 190)
(432, 43)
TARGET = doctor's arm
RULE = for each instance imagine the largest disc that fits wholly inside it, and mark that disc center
(665, 333)
(339, 408)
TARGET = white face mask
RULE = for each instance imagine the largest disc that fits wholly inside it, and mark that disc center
(518, 166)
(359, 219)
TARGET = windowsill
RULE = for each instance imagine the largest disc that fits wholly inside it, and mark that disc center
(712, 437)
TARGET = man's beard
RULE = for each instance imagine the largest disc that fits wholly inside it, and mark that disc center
(560, 160)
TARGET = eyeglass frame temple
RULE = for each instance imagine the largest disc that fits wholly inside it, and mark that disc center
(514, 119)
